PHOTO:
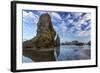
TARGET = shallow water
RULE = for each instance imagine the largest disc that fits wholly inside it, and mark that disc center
(64, 52)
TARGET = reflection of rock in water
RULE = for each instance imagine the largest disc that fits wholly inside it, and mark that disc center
(41, 55)
(57, 51)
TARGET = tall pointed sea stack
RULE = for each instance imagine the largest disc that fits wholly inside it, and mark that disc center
(46, 36)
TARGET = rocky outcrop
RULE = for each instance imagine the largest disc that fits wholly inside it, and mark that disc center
(46, 36)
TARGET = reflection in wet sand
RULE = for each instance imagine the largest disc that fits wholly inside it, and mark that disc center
(62, 53)
(41, 55)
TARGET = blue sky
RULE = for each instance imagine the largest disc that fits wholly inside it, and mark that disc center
(68, 25)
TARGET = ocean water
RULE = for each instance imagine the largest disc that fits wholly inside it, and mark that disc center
(62, 53)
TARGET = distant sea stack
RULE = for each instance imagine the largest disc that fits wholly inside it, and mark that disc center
(46, 36)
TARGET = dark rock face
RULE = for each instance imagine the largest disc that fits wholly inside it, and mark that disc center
(46, 36)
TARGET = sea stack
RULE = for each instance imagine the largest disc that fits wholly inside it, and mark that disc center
(46, 36)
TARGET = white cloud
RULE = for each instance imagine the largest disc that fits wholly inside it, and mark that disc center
(76, 14)
(63, 26)
(55, 15)
(70, 20)
(25, 13)
(64, 29)
(78, 24)
(41, 12)
(87, 16)
(67, 17)
(29, 17)
(82, 33)
(89, 26)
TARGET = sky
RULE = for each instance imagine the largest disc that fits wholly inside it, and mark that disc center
(68, 25)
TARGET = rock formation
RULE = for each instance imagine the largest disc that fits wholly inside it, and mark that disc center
(46, 36)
